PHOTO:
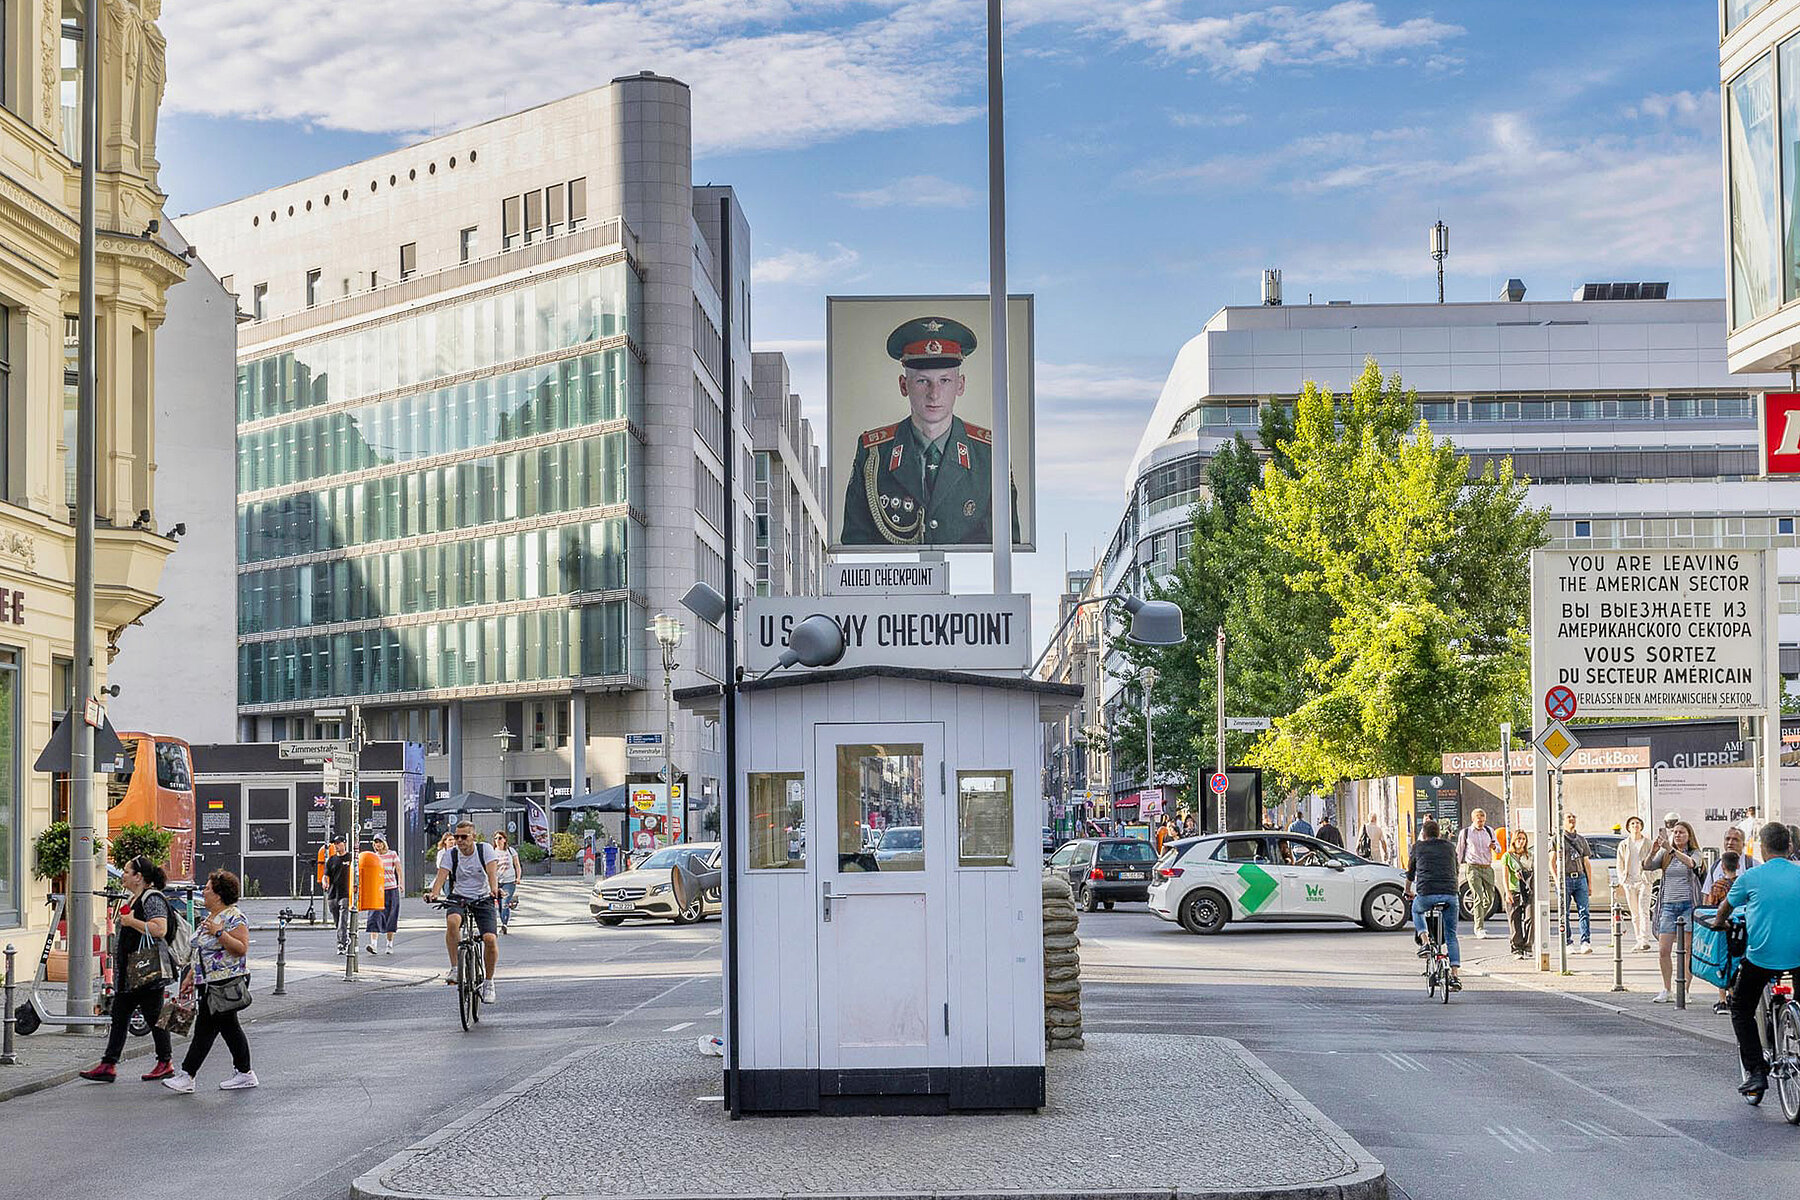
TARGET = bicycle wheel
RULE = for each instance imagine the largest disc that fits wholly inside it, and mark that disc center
(465, 991)
(479, 975)
(1785, 1072)
(1444, 970)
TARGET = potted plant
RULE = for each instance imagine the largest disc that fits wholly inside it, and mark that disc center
(145, 839)
(50, 855)
(564, 851)
(534, 858)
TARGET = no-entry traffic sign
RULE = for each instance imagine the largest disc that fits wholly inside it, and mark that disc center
(1219, 783)
(1559, 703)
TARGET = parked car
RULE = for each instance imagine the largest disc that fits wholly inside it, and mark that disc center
(644, 890)
(1103, 871)
(1204, 883)
(901, 848)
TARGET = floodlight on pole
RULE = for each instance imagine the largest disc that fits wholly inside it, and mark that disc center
(705, 603)
(1153, 622)
(818, 641)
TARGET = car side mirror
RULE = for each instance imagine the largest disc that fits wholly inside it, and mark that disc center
(1336, 866)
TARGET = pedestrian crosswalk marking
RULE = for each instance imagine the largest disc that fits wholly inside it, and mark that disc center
(678, 1028)
(1402, 1062)
(1517, 1140)
(1594, 1131)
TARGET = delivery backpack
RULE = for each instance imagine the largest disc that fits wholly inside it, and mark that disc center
(1715, 957)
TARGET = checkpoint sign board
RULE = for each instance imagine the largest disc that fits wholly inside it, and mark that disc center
(1656, 632)
(961, 633)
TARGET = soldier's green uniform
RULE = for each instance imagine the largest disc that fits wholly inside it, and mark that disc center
(903, 490)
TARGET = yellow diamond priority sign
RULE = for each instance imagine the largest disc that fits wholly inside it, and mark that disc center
(1557, 743)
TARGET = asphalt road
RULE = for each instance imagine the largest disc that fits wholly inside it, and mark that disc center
(347, 1083)
(1503, 1094)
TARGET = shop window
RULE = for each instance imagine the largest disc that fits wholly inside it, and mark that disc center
(777, 821)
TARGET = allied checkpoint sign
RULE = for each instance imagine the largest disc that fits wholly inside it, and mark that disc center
(1656, 633)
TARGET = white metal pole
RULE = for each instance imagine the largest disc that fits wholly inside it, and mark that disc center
(81, 734)
(1149, 744)
(352, 875)
(1002, 462)
(1219, 729)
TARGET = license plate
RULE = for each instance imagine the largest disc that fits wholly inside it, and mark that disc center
(1133, 875)
(622, 906)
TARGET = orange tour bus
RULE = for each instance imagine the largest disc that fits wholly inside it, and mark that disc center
(156, 787)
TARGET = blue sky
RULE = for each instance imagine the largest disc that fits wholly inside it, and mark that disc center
(1161, 153)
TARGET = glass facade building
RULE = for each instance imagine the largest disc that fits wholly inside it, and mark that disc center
(1759, 79)
(473, 454)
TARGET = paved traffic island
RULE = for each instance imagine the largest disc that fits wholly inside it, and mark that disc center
(643, 1120)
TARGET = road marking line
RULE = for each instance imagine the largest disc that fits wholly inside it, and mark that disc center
(1670, 1130)
(652, 1000)
(1402, 1062)
(678, 1028)
(713, 1012)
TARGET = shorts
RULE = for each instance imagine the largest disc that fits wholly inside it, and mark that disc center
(1671, 911)
(485, 915)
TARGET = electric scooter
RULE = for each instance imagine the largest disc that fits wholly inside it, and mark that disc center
(33, 1012)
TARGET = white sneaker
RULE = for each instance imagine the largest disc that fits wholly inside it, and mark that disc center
(390, 945)
(1480, 932)
(239, 1081)
(1586, 948)
(487, 992)
(450, 977)
(180, 1081)
(1661, 998)
(1643, 946)
(372, 949)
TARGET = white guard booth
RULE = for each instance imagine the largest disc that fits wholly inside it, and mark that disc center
(889, 914)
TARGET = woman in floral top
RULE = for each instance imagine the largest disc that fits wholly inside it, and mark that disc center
(221, 948)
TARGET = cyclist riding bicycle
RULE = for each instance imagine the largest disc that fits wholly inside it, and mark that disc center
(1769, 896)
(471, 868)
(1431, 881)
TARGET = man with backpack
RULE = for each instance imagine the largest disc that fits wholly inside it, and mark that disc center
(471, 869)
(1476, 850)
(337, 891)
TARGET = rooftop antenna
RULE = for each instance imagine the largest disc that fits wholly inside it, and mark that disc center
(1440, 250)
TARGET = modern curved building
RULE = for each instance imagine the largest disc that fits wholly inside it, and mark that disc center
(1618, 405)
(1759, 72)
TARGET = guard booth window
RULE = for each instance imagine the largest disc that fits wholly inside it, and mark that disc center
(984, 819)
(777, 821)
(881, 807)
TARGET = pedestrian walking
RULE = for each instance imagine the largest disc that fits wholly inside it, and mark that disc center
(144, 923)
(1634, 880)
(1516, 862)
(221, 975)
(1576, 854)
(1329, 832)
(1476, 849)
(1301, 825)
(1734, 843)
(1674, 853)
(1373, 843)
(386, 919)
(337, 892)
(509, 872)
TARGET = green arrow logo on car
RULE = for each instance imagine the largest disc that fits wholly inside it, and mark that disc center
(1259, 885)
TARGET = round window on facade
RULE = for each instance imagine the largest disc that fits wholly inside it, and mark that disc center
(393, 179)
(273, 214)
(327, 199)
(453, 162)
(309, 206)
(346, 194)
(290, 210)
(373, 185)
(431, 170)
(412, 174)
(256, 220)
(471, 156)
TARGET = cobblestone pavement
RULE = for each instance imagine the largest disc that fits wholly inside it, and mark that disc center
(1260, 1138)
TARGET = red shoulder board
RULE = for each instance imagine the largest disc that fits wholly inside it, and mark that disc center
(886, 433)
(979, 434)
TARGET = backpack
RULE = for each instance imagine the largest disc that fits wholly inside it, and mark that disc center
(1363, 849)
(483, 856)
(180, 935)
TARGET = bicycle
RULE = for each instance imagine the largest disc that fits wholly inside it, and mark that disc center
(1779, 1023)
(1436, 955)
(471, 968)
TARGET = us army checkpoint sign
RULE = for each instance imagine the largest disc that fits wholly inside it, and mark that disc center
(959, 633)
(1653, 633)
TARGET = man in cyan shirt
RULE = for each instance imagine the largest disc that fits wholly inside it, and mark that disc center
(1769, 896)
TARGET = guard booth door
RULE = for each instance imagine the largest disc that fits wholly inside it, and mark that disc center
(881, 824)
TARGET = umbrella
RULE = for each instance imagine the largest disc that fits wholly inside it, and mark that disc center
(469, 802)
(610, 799)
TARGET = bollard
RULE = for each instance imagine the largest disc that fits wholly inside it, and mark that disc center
(1618, 923)
(7, 1057)
(1683, 947)
(281, 924)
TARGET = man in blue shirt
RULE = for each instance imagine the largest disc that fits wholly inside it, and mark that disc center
(1770, 898)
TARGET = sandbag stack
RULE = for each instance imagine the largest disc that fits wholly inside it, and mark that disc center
(1062, 967)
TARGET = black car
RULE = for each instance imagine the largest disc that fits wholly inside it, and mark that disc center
(1104, 870)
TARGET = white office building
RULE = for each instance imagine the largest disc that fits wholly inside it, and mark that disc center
(1617, 404)
(481, 441)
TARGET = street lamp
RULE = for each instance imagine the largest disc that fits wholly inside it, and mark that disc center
(504, 739)
(668, 634)
(1148, 676)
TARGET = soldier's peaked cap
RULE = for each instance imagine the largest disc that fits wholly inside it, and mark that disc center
(927, 342)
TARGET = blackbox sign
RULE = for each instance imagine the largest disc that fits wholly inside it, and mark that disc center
(1666, 632)
(961, 633)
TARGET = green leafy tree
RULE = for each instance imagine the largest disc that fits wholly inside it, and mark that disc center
(1422, 575)
(145, 839)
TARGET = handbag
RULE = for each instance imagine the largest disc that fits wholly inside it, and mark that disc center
(178, 1011)
(228, 995)
(144, 967)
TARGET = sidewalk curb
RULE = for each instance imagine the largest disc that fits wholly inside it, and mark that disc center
(1368, 1181)
(1721, 1039)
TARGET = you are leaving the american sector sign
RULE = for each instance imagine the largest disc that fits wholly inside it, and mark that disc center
(1659, 632)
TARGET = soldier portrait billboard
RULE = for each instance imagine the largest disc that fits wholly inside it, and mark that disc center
(909, 422)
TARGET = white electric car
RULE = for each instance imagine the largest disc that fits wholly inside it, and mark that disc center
(1203, 883)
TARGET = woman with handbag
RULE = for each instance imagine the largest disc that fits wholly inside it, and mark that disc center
(221, 972)
(1517, 862)
(143, 923)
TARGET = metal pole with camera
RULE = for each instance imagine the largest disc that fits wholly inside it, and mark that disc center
(668, 633)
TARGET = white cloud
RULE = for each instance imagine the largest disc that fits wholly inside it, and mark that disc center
(1682, 107)
(916, 191)
(413, 67)
(805, 266)
(1209, 120)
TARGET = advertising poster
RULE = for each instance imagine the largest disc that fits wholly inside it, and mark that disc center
(909, 426)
